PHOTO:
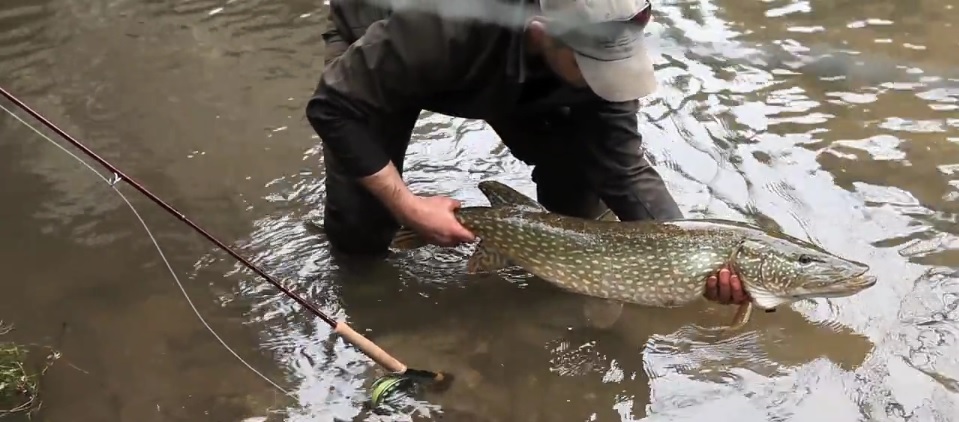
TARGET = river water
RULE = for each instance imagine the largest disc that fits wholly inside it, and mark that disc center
(202, 101)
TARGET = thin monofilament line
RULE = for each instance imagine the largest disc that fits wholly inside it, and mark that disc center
(113, 185)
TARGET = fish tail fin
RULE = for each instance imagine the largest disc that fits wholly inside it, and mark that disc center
(406, 239)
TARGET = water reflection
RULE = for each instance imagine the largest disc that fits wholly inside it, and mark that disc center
(801, 150)
(856, 150)
(832, 153)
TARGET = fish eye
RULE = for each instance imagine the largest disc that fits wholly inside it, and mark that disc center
(806, 259)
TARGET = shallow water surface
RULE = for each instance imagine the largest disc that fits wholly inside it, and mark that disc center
(835, 121)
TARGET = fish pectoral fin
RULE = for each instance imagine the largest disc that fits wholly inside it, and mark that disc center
(406, 239)
(485, 260)
(742, 317)
(767, 300)
(602, 313)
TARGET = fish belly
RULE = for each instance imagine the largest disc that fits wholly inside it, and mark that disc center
(634, 280)
(650, 270)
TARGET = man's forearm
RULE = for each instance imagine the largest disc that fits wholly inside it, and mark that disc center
(388, 186)
(357, 150)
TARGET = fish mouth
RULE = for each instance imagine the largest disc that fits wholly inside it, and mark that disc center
(867, 281)
(858, 282)
(843, 288)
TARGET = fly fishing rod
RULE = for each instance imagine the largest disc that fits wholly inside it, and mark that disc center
(401, 377)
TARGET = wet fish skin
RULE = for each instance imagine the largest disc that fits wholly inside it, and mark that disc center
(651, 263)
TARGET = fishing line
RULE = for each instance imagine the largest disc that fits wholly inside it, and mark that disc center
(405, 378)
(169, 267)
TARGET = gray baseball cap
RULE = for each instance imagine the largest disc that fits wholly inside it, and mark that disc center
(607, 39)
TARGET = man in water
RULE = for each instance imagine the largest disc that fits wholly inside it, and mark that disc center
(560, 89)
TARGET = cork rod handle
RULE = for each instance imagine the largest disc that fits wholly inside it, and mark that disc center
(369, 348)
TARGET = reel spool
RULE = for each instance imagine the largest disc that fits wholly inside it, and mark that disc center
(390, 388)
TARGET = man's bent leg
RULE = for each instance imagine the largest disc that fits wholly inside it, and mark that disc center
(566, 192)
(529, 139)
(355, 221)
(555, 149)
(560, 188)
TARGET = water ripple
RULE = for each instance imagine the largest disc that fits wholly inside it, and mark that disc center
(25, 44)
(757, 119)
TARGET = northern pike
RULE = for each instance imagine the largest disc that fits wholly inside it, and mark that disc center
(650, 263)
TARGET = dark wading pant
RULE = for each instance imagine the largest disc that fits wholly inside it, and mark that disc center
(356, 223)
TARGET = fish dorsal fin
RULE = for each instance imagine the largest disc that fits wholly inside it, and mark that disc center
(607, 215)
(501, 195)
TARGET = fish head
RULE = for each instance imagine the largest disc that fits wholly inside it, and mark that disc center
(775, 271)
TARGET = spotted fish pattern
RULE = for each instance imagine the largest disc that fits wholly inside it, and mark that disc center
(652, 263)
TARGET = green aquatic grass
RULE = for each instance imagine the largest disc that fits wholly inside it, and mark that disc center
(20, 374)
